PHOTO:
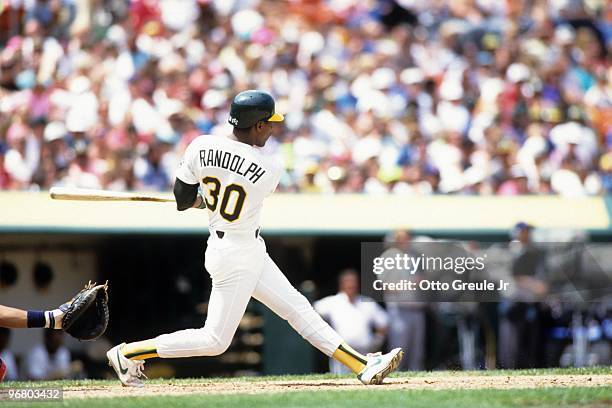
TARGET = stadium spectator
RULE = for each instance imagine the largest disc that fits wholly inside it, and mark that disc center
(356, 318)
(407, 315)
(520, 327)
(49, 360)
(382, 97)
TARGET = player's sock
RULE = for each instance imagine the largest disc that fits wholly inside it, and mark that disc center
(350, 358)
(140, 350)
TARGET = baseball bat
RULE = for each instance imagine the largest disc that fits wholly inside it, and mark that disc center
(85, 194)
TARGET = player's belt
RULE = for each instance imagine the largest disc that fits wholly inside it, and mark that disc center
(221, 234)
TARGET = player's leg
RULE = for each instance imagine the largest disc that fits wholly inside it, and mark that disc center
(226, 306)
(277, 293)
(416, 327)
(228, 301)
(399, 334)
(13, 318)
(234, 274)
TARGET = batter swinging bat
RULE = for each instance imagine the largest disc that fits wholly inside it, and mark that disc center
(85, 194)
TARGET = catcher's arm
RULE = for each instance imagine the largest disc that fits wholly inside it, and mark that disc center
(13, 318)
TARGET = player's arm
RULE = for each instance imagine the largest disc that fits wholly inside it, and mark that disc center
(13, 318)
(187, 196)
(187, 183)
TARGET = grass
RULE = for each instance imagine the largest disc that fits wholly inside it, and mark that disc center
(548, 397)
(588, 397)
(313, 377)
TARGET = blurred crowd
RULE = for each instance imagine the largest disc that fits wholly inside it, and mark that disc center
(49, 359)
(543, 320)
(407, 97)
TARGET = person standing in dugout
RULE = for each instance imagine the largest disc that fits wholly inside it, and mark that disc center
(235, 178)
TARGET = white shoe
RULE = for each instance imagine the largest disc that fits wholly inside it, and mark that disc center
(379, 366)
(128, 371)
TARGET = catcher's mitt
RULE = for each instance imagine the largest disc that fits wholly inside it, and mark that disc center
(86, 315)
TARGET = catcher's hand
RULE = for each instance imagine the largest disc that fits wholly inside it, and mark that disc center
(86, 315)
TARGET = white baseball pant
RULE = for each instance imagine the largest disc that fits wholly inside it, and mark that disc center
(241, 268)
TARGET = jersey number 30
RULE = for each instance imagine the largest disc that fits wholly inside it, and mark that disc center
(211, 198)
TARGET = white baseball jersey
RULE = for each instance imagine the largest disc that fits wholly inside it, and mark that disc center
(234, 177)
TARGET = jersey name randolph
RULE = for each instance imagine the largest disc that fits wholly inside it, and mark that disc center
(232, 162)
(234, 178)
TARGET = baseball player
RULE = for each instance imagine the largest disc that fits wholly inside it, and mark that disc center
(235, 178)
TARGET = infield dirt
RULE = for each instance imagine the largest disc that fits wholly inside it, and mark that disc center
(422, 382)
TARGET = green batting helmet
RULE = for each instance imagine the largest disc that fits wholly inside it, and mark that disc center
(249, 107)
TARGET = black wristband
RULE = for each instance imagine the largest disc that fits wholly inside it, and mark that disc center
(36, 318)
